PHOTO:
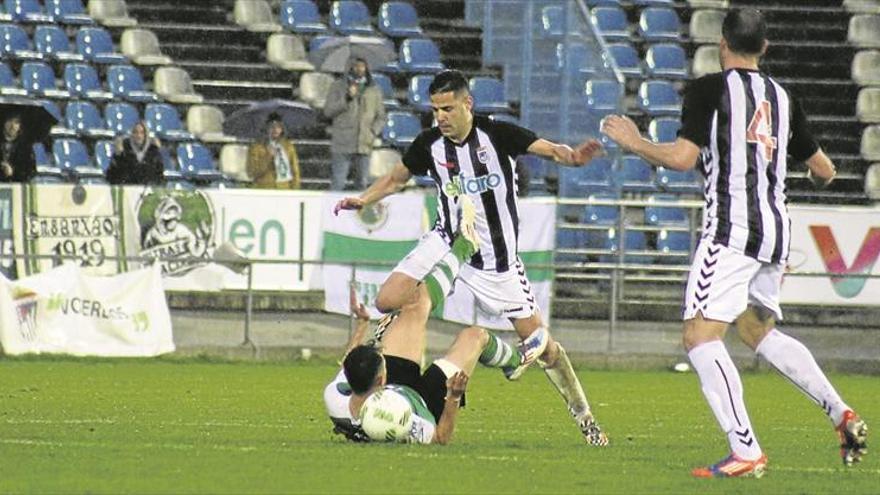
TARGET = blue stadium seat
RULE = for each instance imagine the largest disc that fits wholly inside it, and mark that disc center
(601, 214)
(52, 43)
(580, 182)
(196, 162)
(603, 96)
(96, 45)
(419, 55)
(553, 21)
(301, 16)
(70, 155)
(570, 239)
(635, 175)
(350, 17)
(384, 83)
(84, 118)
(676, 244)
(653, 3)
(659, 98)
(104, 149)
(665, 215)
(71, 12)
(47, 172)
(401, 129)
(634, 240)
(664, 129)
(14, 43)
(659, 24)
(677, 181)
(626, 58)
(121, 117)
(28, 11)
(604, 3)
(399, 20)
(578, 59)
(417, 93)
(488, 94)
(8, 84)
(82, 81)
(39, 80)
(666, 60)
(611, 23)
(125, 82)
(164, 121)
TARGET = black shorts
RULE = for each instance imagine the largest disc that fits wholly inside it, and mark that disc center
(431, 384)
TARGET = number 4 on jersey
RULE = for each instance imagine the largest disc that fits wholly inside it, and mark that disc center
(760, 130)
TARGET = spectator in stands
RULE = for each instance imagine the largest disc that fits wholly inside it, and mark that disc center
(354, 103)
(137, 159)
(272, 163)
(17, 162)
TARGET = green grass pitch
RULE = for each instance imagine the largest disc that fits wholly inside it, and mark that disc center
(190, 426)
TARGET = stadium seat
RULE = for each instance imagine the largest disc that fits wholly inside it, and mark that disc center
(868, 105)
(313, 88)
(870, 147)
(382, 161)
(611, 23)
(95, 45)
(665, 215)
(47, 172)
(708, 4)
(864, 31)
(70, 12)
(488, 94)
(164, 121)
(634, 175)
(606, 240)
(666, 61)
(675, 244)
(28, 11)
(255, 16)
(567, 239)
(626, 58)
(111, 13)
(70, 155)
(125, 83)
(8, 85)
(60, 128)
(664, 129)
(872, 182)
(706, 61)
(142, 47)
(866, 68)
(104, 149)
(287, 51)
(84, 118)
(417, 93)
(39, 80)
(603, 96)
(601, 214)
(659, 98)
(81, 81)
(705, 26)
(350, 17)
(195, 162)
(653, 3)
(580, 182)
(51, 41)
(552, 21)
(121, 117)
(659, 24)
(678, 181)
(388, 97)
(399, 20)
(419, 55)
(578, 58)
(401, 129)
(15, 44)
(862, 6)
(174, 84)
(301, 16)
(206, 123)
(604, 3)
(233, 162)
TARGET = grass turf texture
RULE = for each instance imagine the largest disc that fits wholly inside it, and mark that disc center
(191, 426)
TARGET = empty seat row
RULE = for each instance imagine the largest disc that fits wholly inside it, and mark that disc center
(50, 42)
(629, 174)
(655, 24)
(69, 12)
(395, 19)
(84, 119)
(669, 247)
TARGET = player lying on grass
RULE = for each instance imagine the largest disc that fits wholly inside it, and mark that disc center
(435, 395)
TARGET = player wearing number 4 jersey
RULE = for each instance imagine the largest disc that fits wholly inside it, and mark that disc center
(739, 126)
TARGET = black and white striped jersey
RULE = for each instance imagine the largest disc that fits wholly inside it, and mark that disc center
(746, 125)
(483, 167)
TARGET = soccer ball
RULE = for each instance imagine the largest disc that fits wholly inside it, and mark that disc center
(386, 416)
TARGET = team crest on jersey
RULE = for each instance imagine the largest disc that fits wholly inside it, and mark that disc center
(373, 217)
(483, 154)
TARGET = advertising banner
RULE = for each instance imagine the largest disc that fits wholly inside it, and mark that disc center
(64, 310)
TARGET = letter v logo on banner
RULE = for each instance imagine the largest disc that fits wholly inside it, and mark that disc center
(847, 287)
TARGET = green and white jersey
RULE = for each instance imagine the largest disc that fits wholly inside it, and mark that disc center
(424, 424)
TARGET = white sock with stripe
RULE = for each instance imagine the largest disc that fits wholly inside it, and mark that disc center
(723, 390)
(794, 361)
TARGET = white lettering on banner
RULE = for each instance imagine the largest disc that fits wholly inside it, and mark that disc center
(243, 230)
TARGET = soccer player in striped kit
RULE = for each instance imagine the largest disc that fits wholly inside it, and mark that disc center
(739, 126)
(472, 160)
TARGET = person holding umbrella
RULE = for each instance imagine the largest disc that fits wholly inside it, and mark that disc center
(272, 162)
(17, 161)
(354, 104)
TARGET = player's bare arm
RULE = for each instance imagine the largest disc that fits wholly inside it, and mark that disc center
(455, 387)
(820, 169)
(679, 155)
(386, 185)
(564, 154)
(362, 322)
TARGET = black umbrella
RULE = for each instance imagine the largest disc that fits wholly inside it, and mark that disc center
(36, 117)
(250, 122)
(333, 54)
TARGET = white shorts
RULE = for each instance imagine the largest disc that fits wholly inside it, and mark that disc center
(508, 294)
(723, 282)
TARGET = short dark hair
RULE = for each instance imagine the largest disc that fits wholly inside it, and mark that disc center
(448, 80)
(745, 31)
(361, 367)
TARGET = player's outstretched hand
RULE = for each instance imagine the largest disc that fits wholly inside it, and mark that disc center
(357, 309)
(349, 203)
(621, 130)
(586, 151)
(456, 385)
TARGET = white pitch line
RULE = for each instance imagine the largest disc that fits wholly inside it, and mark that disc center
(172, 446)
(105, 421)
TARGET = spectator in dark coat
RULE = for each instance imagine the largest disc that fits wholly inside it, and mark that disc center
(136, 159)
(17, 162)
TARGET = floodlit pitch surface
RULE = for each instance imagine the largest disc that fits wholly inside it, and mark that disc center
(159, 426)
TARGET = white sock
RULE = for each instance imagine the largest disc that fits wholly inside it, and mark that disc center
(794, 361)
(723, 391)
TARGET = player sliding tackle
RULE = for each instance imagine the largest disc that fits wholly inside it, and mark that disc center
(472, 160)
